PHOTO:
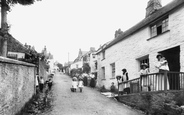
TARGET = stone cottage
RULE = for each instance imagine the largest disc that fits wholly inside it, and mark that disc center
(88, 57)
(161, 31)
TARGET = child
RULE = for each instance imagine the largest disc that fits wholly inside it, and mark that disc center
(113, 89)
(74, 84)
(50, 84)
(80, 84)
(41, 84)
(120, 84)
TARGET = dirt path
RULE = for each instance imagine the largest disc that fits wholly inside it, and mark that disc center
(89, 102)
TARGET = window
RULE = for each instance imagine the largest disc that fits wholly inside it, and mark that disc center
(159, 27)
(96, 65)
(144, 59)
(103, 55)
(103, 72)
(93, 55)
(165, 25)
(113, 70)
(153, 31)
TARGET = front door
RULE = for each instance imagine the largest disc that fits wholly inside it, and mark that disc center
(173, 57)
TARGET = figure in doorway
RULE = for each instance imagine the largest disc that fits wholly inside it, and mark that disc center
(163, 68)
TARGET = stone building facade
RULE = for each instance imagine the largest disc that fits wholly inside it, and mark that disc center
(160, 32)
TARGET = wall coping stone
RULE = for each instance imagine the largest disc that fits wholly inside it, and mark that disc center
(12, 61)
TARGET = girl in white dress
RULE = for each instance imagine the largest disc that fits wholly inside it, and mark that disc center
(74, 84)
(80, 84)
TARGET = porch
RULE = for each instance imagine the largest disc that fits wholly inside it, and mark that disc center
(155, 82)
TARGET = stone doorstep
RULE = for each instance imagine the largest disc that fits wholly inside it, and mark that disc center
(109, 94)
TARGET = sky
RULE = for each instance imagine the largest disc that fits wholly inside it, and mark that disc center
(65, 26)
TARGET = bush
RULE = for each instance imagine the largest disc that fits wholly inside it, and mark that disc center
(103, 89)
(159, 104)
(179, 98)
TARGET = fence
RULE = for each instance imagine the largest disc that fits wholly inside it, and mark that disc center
(156, 82)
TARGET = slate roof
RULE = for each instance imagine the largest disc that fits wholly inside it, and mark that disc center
(102, 47)
(146, 21)
(15, 46)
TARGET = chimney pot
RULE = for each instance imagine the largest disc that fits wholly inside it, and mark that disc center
(153, 5)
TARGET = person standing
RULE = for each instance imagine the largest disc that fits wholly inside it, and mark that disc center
(50, 84)
(80, 85)
(145, 80)
(120, 84)
(74, 84)
(126, 85)
(41, 84)
(37, 83)
(163, 68)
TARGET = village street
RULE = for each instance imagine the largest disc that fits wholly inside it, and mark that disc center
(89, 102)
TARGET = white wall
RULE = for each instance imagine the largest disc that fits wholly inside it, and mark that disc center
(125, 53)
(74, 65)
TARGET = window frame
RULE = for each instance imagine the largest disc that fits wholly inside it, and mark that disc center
(103, 73)
(103, 55)
(162, 24)
(113, 70)
(143, 60)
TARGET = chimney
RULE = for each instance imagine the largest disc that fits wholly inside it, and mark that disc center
(117, 33)
(153, 5)
(92, 49)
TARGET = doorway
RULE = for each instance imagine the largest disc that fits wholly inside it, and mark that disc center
(173, 57)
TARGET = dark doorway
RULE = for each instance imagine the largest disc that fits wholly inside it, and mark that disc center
(173, 57)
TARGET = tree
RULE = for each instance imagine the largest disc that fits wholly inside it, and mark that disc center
(60, 66)
(86, 68)
(5, 6)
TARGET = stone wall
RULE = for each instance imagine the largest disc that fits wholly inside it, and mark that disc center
(156, 102)
(17, 85)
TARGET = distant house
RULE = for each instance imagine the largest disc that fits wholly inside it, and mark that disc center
(86, 57)
(17, 50)
(161, 31)
(78, 62)
(16, 55)
(100, 53)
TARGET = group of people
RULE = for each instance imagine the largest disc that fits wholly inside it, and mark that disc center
(77, 83)
(122, 85)
(156, 82)
(40, 83)
(148, 83)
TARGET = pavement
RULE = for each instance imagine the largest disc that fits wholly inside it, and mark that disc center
(89, 102)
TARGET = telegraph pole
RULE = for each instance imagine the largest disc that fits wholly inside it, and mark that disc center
(68, 57)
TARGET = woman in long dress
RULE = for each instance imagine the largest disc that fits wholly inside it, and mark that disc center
(163, 68)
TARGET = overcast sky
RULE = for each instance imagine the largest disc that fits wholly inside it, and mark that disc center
(65, 26)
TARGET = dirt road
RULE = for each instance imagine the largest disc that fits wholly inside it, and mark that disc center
(89, 102)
